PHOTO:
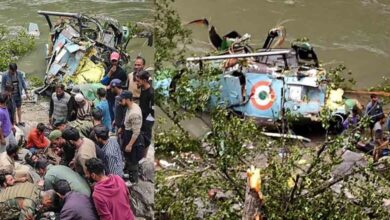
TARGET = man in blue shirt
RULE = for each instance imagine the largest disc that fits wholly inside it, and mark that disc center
(374, 110)
(15, 78)
(103, 106)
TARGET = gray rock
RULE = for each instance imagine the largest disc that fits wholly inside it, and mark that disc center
(142, 193)
(350, 161)
(142, 199)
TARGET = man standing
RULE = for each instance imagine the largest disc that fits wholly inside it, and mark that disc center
(60, 105)
(111, 148)
(6, 131)
(103, 106)
(120, 111)
(84, 108)
(113, 71)
(146, 103)
(15, 78)
(10, 103)
(85, 149)
(110, 195)
(374, 110)
(139, 65)
(132, 140)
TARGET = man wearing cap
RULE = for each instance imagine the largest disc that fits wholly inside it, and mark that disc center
(132, 140)
(60, 105)
(72, 103)
(112, 151)
(120, 110)
(68, 150)
(84, 108)
(139, 64)
(113, 71)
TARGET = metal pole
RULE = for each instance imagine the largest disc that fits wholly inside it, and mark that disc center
(244, 55)
(64, 14)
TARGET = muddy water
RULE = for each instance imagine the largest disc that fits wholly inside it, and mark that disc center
(21, 12)
(355, 33)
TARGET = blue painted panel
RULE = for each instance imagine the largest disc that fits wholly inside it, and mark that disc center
(309, 100)
(271, 113)
(231, 90)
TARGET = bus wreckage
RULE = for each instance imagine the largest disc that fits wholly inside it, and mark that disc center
(79, 48)
(269, 83)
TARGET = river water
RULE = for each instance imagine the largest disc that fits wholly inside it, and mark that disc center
(355, 33)
(21, 12)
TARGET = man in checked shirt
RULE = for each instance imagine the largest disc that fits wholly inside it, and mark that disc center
(112, 151)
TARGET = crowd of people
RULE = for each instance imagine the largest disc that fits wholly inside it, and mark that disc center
(81, 163)
(378, 144)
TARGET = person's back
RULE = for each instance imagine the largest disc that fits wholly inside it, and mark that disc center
(114, 157)
(85, 152)
(58, 172)
(77, 206)
(111, 198)
(103, 106)
(83, 126)
(19, 201)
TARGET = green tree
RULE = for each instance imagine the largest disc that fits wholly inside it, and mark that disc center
(13, 46)
(208, 179)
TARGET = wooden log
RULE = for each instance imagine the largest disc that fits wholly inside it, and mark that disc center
(362, 92)
(252, 205)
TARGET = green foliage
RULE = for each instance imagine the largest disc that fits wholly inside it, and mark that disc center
(385, 87)
(34, 80)
(302, 184)
(13, 46)
(336, 78)
(170, 37)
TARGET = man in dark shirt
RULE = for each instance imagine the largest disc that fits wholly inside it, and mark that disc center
(146, 103)
(16, 79)
(113, 71)
(10, 103)
(120, 111)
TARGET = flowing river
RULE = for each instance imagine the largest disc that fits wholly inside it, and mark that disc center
(355, 33)
(21, 13)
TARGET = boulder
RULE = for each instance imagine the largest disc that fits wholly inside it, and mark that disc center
(142, 193)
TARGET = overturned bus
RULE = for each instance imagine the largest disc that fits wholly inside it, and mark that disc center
(271, 84)
(79, 48)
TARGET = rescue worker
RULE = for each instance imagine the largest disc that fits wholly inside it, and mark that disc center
(22, 200)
